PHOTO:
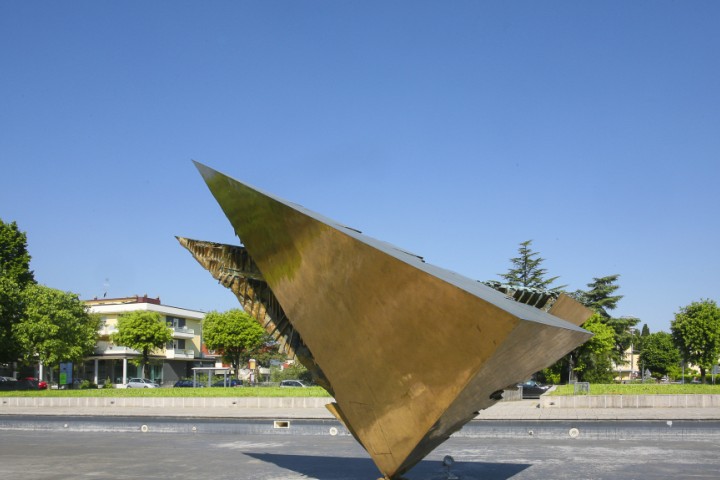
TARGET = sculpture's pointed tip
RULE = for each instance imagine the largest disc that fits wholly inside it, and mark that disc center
(204, 170)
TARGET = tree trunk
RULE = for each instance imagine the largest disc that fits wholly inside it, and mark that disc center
(145, 361)
(236, 365)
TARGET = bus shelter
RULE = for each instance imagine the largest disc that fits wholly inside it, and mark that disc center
(211, 371)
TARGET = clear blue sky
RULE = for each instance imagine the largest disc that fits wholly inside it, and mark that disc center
(455, 130)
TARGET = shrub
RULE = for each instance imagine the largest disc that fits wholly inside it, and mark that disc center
(294, 372)
(86, 384)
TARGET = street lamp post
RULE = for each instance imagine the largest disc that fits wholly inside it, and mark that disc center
(632, 353)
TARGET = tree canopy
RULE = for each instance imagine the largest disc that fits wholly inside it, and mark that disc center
(593, 357)
(645, 330)
(15, 276)
(55, 327)
(267, 351)
(295, 371)
(696, 333)
(623, 334)
(526, 270)
(659, 354)
(143, 331)
(599, 296)
(14, 257)
(235, 334)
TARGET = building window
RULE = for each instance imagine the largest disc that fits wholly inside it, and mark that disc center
(176, 345)
(175, 322)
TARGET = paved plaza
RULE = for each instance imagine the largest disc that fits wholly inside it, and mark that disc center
(512, 440)
(102, 455)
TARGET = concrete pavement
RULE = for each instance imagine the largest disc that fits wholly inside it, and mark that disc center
(283, 439)
(63, 454)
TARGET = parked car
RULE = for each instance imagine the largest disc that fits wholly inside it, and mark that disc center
(532, 389)
(187, 384)
(41, 384)
(230, 382)
(27, 383)
(30, 383)
(292, 383)
(8, 383)
(141, 383)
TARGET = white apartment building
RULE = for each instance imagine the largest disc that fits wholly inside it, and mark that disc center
(175, 361)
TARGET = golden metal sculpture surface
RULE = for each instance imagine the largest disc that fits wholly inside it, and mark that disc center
(410, 352)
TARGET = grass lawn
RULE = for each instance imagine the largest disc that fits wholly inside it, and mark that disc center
(562, 390)
(641, 389)
(175, 392)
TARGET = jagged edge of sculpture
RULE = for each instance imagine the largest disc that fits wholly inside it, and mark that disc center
(234, 269)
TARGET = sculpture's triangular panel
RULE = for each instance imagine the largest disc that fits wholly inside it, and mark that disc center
(411, 351)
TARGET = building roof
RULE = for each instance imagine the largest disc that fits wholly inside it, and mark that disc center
(123, 300)
(131, 304)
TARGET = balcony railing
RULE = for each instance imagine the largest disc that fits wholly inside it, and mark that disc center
(180, 353)
(104, 348)
(183, 332)
(106, 331)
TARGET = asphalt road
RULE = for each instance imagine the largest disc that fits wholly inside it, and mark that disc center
(65, 453)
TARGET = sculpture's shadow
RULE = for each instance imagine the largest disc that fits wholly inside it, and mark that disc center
(344, 468)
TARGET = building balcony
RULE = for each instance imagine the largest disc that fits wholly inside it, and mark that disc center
(105, 348)
(183, 332)
(186, 353)
(106, 331)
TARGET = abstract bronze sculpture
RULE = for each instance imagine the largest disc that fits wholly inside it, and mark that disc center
(409, 351)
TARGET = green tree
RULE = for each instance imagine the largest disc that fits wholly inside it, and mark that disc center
(526, 270)
(599, 296)
(659, 354)
(267, 351)
(696, 333)
(14, 257)
(11, 312)
(645, 330)
(625, 335)
(294, 372)
(235, 334)
(593, 357)
(554, 373)
(142, 331)
(55, 327)
(639, 336)
(15, 276)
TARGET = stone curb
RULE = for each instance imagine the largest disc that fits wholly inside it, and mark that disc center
(166, 402)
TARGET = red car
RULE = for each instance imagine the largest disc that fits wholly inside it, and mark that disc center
(35, 384)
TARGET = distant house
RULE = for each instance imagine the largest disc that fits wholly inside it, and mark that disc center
(169, 364)
(628, 369)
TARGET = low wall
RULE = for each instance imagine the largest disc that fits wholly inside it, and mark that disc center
(574, 401)
(631, 401)
(186, 402)
(512, 395)
(167, 402)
